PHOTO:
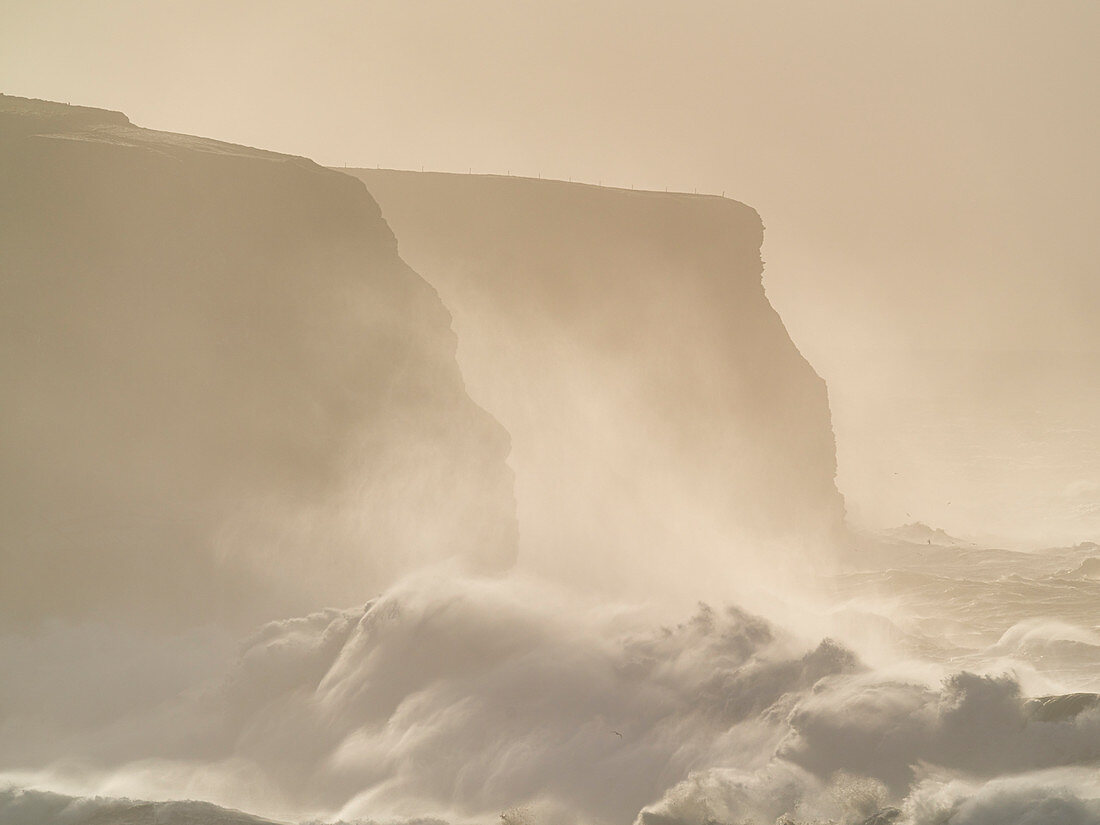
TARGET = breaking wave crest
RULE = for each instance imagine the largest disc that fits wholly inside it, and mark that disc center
(475, 700)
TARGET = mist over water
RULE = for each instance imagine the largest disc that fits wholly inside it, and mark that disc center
(998, 446)
(341, 495)
(467, 698)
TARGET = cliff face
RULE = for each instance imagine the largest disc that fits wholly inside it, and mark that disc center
(654, 397)
(224, 393)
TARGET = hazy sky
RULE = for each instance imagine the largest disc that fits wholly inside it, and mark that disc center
(927, 171)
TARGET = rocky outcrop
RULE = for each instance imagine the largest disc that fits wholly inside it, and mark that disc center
(224, 393)
(654, 397)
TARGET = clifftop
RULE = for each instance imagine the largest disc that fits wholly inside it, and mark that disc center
(25, 117)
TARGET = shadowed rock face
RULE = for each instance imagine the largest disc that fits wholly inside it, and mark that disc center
(224, 393)
(624, 339)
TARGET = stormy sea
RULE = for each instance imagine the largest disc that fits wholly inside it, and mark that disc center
(929, 681)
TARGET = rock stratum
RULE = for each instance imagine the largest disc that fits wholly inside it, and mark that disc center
(225, 395)
(655, 400)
